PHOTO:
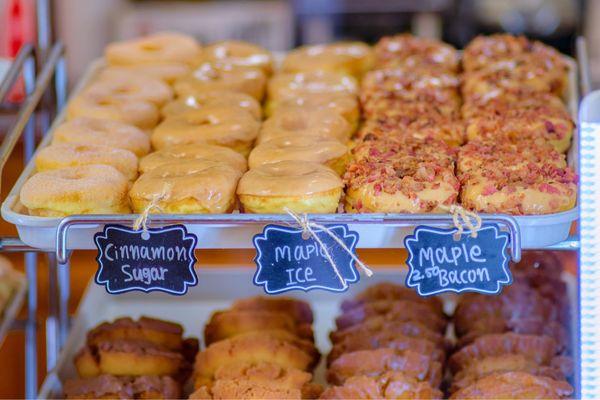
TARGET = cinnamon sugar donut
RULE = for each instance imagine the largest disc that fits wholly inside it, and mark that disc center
(291, 85)
(239, 53)
(221, 126)
(210, 77)
(128, 86)
(187, 187)
(401, 175)
(98, 105)
(64, 155)
(121, 387)
(303, 187)
(167, 72)
(104, 132)
(297, 309)
(305, 123)
(155, 48)
(326, 151)
(353, 58)
(201, 100)
(411, 51)
(185, 152)
(89, 189)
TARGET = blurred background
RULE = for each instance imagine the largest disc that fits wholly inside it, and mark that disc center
(85, 26)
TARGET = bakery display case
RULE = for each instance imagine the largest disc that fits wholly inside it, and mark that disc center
(213, 147)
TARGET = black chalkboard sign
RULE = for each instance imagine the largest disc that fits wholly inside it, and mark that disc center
(288, 260)
(439, 263)
(159, 259)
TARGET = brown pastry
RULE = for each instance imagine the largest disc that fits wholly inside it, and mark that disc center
(265, 372)
(246, 389)
(391, 291)
(120, 387)
(298, 309)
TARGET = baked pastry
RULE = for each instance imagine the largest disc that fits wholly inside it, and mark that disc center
(353, 58)
(388, 385)
(229, 323)
(167, 72)
(401, 175)
(322, 150)
(130, 86)
(210, 77)
(302, 122)
(239, 53)
(406, 50)
(187, 187)
(291, 85)
(298, 309)
(515, 385)
(193, 102)
(223, 126)
(374, 362)
(89, 189)
(103, 132)
(303, 187)
(122, 387)
(265, 372)
(246, 389)
(189, 152)
(64, 155)
(155, 48)
(407, 110)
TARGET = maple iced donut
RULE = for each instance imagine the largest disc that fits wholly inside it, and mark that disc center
(322, 150)
(104, 132)
(89, 189)
(222, 126)
(168, 72)
(193, 102)
(298, 309)
(406, 50)
(63, 155)
(353, 58)
(291, 85)
(300, 186)
(185, 152)
(156, 48)
(299, 122)
(128, 86)
(239, 53)
(187, 187)
(210, 77)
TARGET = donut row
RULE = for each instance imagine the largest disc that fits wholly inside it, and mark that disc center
(389, 343)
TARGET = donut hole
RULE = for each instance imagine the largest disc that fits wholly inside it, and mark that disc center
(293, 123)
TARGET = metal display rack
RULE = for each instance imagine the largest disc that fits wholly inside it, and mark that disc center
(53, 75)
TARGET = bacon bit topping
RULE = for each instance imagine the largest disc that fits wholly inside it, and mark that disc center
(489, 190)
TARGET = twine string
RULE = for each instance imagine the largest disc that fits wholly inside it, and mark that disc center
(142, 219)
(462, 217)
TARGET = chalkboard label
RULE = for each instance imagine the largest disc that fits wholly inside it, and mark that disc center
(439, 263)
(159, 259)
(287, 260)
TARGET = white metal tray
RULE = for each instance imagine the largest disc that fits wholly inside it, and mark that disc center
(12, 308)
(236, 230)
(211, 294)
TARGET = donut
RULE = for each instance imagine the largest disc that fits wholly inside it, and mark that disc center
(185, 152)
(263, 372)
(103, 132)
(387, 385)
(498, 104)
(211, 77)
(300, 186)
(352, 58)
(122, 387)
(212, 99)
(326, 151)
(64, 155)
(247, 389)
(290, 85)
(485, 50)
(88, 189)
(223, 126)
(304, 123)
(128, 86)
(156, 48)
(239, 53)
(401, 175)
(167, 72)
(344, 104)
(123, 357)
(187, 187)
(226, 324)
(516, 385)
(298, 309)
(97, 105)
(369, 362)
(410, 106)
(411, 51)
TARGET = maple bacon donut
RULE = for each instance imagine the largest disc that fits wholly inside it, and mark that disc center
(239, 53)
(353, 58)
(88, 189)
(201, 100)
(155, 48)
(300, 186)
(411, 51)
(186, 152)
